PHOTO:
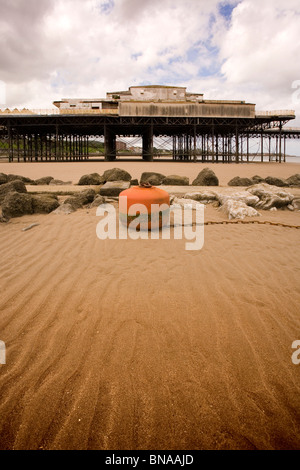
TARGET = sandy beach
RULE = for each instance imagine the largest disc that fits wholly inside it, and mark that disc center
(127, 345)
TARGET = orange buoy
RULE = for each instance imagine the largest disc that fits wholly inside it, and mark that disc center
(153, 204)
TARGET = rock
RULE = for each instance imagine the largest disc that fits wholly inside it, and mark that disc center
(114, 188)
(202, 196)
(276, 182)
(238, 210)
(45, 181)
(292, 180)
(3, 220)
(17, 204)
(64, 209)
(291, 207)
(237, 181)
(81, 199)
(44, 203)
(270, 196)
(155, 179)
(175, 180)
(273, 209)
(243, 196)
(116, 174)
(14, 186)
(134, 182)
(257, 179)
(59, 183)
(182, 202)
(296, 203)
(94, 179)
(98, 201)
(21, 178)
(206, 177)
(3, 178)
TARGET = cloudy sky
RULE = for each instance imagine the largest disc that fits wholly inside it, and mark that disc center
(247, 49)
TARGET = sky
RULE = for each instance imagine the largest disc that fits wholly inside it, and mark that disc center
(246, 50)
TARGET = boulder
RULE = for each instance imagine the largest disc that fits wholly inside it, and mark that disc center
(276, 182)
(134, 182)
(237, 181)
(243, 196)
(206, 177)
(59, 183)
(98, 201)
(44, 181)
(238, 210)
(175, 180)
(14, 186)
(296, 203)
(257, 179)
(116, 174)
(270, 196)
(81, 199)
(184, 203)
(64, 209)
(44, 203)
(3, 178)
(203, 196)
(292, 180)
(17, 204)
(114, 188)
(155, 179)
(21, 178)
(94, 179)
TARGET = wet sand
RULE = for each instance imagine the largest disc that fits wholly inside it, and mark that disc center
(141, 344)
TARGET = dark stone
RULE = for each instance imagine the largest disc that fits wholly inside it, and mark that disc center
(155, 179)
(59, 183)
(276, 182)
(44, 181)
(175, 180)
(17, 204)
(3, 178)
(14, 186)
(81, 199)
(94, 179)
(206, 177)
(44, 203)
(98, 201)
(134, 182)
(21, 178)
(294, 180)
(116, 174)
(257, 179)
(237, 181)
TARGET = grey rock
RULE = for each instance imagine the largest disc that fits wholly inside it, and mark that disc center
(206, 177)
(276, 182)
(270, 196)
(155, 179)
(116, 174)
(59, 183)
(296, 203)
(17, 204)
(202, 196)
(134, 182)
(94, 179)
(238, 210)
(257, 179)
(98, 201)
(81, 199)
(14, 186)
(243, 196)
(44, 203)
(45, 181)
(3, 178)
(114, 188)
(294, 180)
(21, 178)
(64, 209)
(237, 181)
(175, 180)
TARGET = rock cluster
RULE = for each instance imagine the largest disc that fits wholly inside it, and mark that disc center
(292, 181)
